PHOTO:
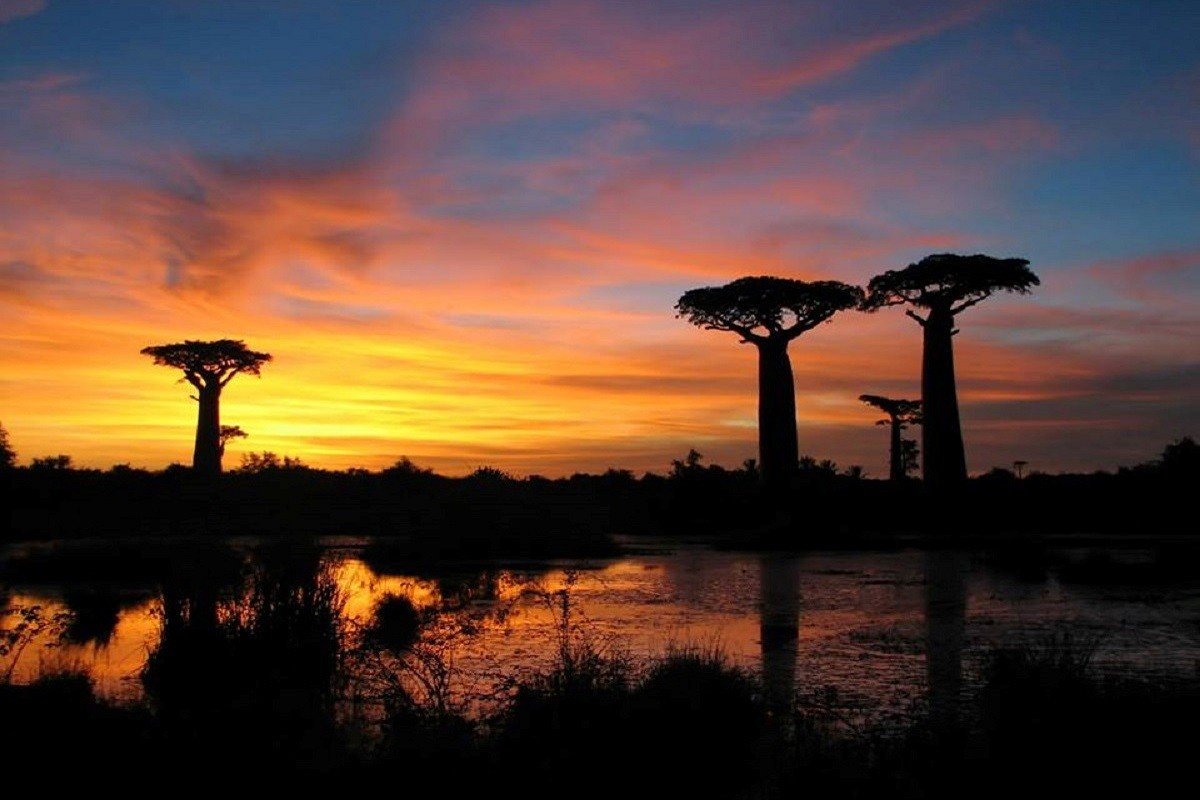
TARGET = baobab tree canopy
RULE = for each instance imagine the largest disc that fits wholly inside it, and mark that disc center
(907, 411)
(949, 281)
(208, 366)
(769, 313)
(764, 307)
(943, 285)
(206, 363)
(900, 414)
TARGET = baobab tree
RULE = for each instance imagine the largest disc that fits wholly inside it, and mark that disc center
(900, 414)
(910, 451)
(209, 367)
(944, 285)
(770, 312)
(227, 434)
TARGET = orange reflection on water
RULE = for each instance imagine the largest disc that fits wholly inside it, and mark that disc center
(114, 666)
(864, 624)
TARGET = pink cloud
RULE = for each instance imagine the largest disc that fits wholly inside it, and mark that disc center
(415, 268)
(562, 55)
(17, 9)
(46, 82)
(577, 52)
(828, 61)
(58, 107)
(989, 138)
(1149, 278)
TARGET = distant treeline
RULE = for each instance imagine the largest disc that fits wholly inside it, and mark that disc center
(492, 514)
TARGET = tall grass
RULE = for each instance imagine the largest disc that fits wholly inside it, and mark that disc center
(256, 676)
(21, 626)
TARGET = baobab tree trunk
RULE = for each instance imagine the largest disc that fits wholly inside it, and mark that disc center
(778, 450)
(896, 472)
(206, 458)
(945, 463)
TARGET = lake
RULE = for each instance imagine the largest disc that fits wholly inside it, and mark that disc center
(857, 633)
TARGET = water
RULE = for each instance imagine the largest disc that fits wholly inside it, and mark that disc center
(857, 632)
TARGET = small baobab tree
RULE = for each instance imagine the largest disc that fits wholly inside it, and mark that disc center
(228, 434)
(209, 367)
(770, 312)
(900, 414)
(942, 286)
(910, 453)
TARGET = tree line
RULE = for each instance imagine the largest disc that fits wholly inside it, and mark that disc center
(765, 311)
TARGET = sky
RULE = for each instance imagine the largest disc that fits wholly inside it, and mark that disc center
(461, 228)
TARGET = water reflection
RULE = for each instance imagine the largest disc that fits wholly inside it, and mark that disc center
(945, 632)
(254, 673)
(879, 628)
(779, 629)
(95, 613)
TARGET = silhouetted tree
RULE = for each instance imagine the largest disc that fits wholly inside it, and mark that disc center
(489, 474)
(208, 366)
(266, 461)
(1181, 458)
(944, 285)
(689, 465)
(229, 433)
(406, 468)
(769, 313)
(900, 414)
(8, 456)
(825, 468)
(909, 455)
(59, 461)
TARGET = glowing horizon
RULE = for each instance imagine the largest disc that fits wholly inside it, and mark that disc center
(461, 230)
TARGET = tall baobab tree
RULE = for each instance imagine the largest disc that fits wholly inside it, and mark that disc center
(209, 367)
(900, 414)
(944, 285)
(770, 312)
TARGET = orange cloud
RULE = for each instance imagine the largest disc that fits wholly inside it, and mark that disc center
(426, 296)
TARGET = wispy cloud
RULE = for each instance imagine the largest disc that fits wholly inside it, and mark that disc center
(820, 63)
(1153, 278)
(11, 10)
(488, 274)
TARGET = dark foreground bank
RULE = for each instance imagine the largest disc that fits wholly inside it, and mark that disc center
(259, 705)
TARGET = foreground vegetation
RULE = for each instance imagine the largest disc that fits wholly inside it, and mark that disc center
(269, 684)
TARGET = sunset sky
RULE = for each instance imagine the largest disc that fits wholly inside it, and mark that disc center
(461, 227)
